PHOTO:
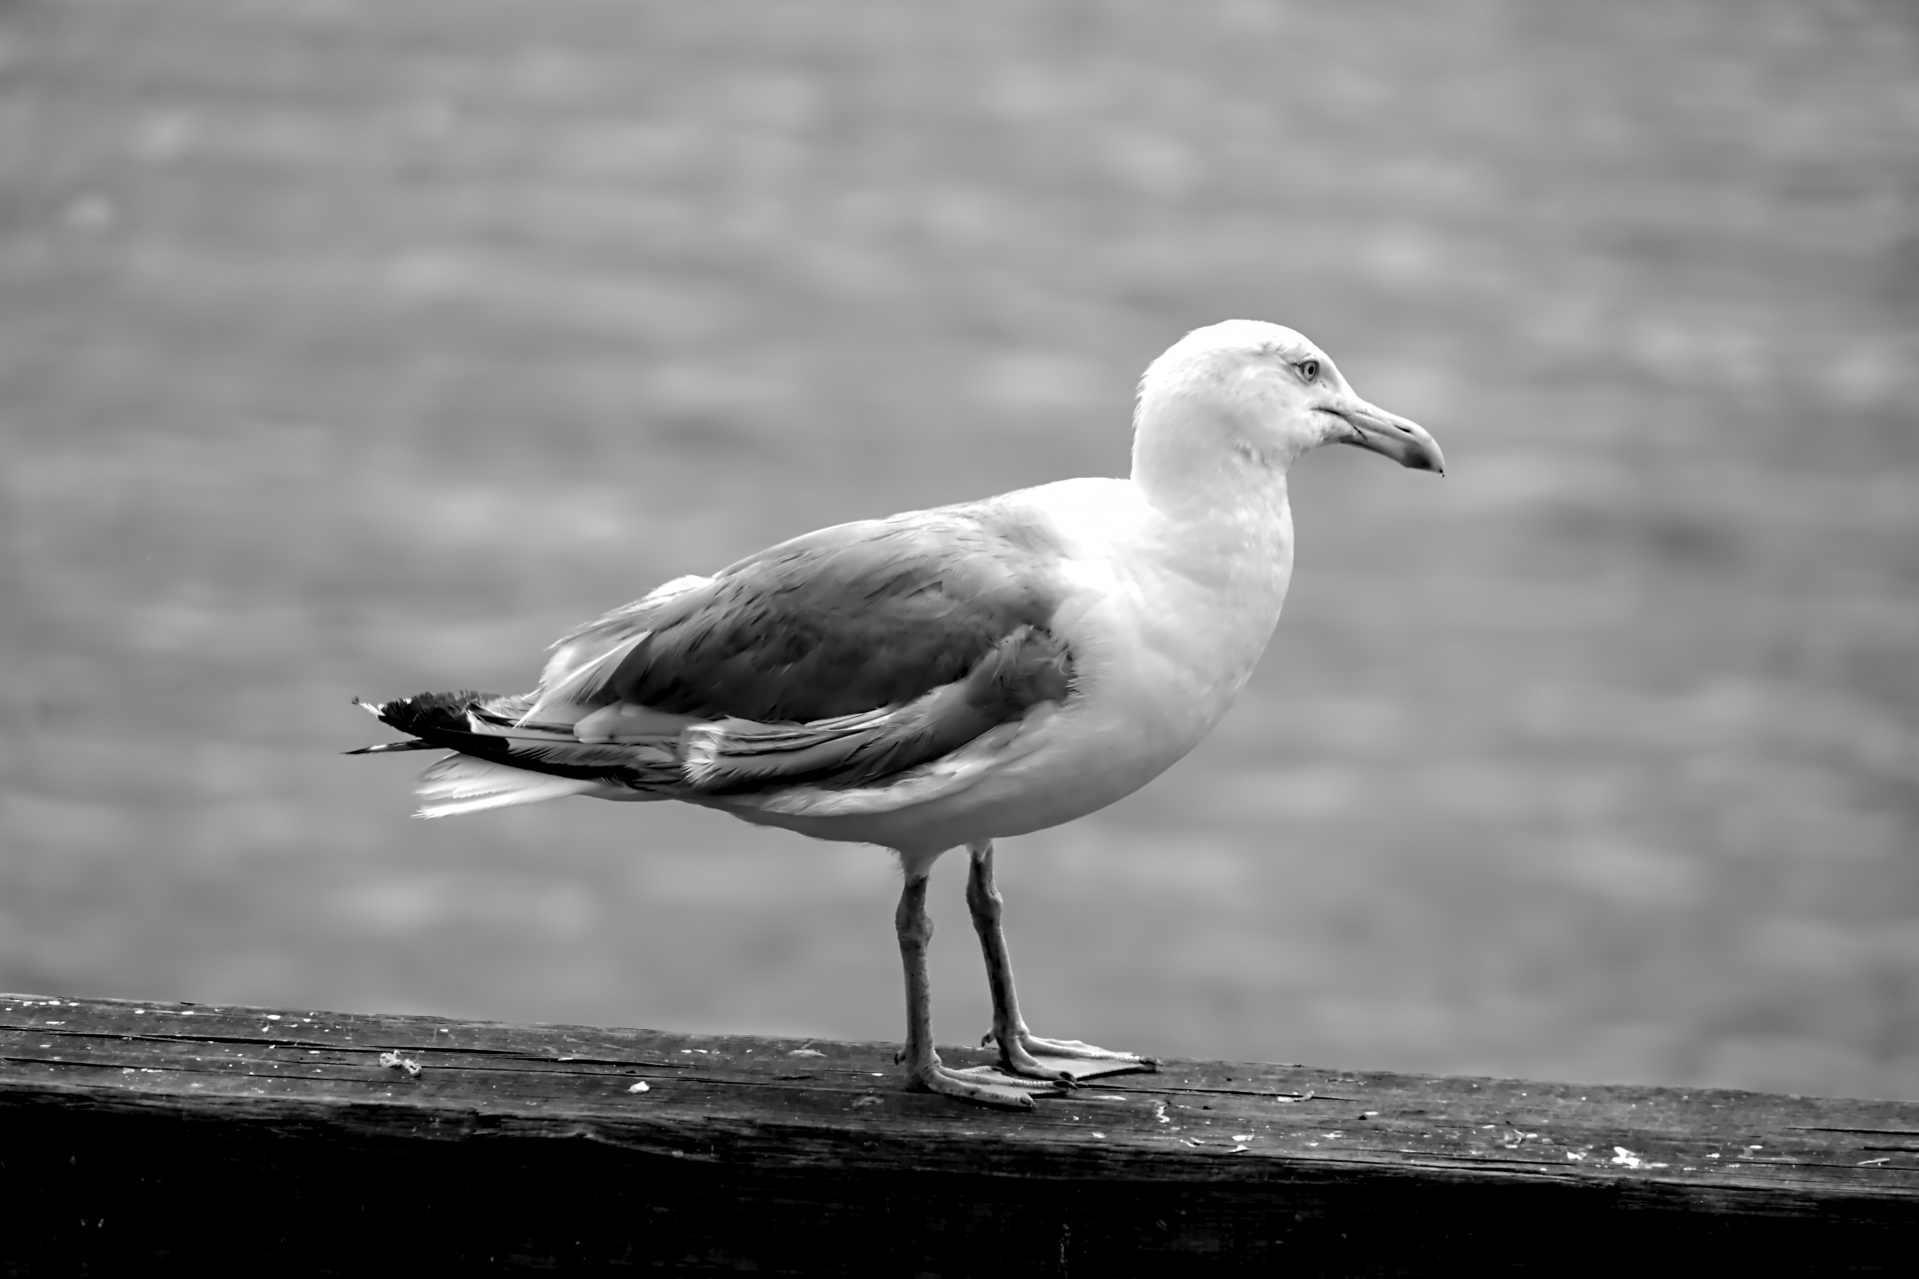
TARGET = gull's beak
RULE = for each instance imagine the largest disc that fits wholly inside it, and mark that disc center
(1371, 427)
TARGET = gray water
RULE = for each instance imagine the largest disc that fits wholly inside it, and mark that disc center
(361, 349)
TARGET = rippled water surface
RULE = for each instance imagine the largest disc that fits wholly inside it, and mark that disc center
(363, 348)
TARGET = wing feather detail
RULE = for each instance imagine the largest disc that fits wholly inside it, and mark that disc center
(1027, 667)
(908, 650)
(585, 658)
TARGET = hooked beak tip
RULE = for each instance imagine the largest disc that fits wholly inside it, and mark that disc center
(1401, 439)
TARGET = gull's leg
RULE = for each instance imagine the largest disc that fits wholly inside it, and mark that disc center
(922, 1063)
(1017, 1044)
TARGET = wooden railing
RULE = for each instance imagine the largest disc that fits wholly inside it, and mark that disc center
(137, 1137)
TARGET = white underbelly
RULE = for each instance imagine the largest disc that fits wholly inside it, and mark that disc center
(1063, 778)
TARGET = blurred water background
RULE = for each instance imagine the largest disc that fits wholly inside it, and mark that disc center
(356, 347)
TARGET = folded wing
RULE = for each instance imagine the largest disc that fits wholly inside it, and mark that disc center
(841, 659)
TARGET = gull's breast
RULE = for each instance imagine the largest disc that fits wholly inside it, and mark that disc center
(1165, 629)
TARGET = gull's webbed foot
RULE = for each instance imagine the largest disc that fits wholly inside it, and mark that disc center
(1065, 1060)
(983, 1084)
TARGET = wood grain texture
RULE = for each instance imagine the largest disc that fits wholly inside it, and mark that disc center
(140, 1134)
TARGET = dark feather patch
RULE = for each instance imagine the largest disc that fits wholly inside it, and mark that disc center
(440, 719)
(1027, 667)
(844, 620)
(384, 747)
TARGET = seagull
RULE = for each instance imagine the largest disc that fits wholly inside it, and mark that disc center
(948, 677)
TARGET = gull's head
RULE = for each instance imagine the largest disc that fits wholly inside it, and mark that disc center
(1248, 395)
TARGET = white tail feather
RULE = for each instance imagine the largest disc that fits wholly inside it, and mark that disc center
(462, 784)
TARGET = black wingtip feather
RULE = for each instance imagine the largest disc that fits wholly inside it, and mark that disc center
(438, 721)
(427, 713)
(383, 747)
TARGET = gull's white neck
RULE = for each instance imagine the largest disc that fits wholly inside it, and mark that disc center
(1194, 450)
(1224, 550)
(1218, 495)
(1218, 531)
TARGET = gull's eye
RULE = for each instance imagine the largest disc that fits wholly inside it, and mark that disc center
(1308, 369)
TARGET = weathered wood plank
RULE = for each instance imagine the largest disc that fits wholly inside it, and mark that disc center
(1204, 1164)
